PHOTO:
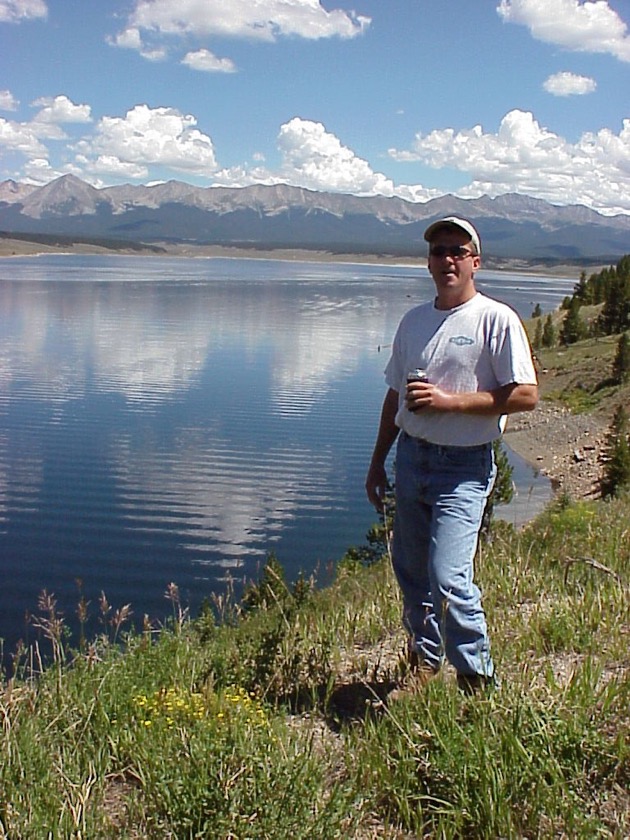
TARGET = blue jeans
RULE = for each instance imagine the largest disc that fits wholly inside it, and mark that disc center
(441, 494)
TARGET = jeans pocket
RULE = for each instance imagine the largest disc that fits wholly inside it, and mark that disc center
(474, 461)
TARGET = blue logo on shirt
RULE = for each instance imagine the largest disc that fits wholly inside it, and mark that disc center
(461, 340)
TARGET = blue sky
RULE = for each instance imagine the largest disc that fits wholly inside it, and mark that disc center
(414, 98)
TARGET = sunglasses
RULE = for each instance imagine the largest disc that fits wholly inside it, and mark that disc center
(457, 252)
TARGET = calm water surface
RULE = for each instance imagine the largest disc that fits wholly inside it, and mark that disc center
(176, 420)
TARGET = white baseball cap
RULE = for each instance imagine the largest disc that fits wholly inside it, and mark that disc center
(453, 221)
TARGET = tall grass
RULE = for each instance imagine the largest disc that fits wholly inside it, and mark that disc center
(269, 718)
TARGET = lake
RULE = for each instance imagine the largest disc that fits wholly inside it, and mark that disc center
(175, 420)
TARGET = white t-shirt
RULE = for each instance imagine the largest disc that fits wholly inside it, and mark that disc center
(478, 346)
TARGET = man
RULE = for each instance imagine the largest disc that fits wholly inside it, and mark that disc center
(479, 368)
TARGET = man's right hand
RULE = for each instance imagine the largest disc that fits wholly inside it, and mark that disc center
(376, 485)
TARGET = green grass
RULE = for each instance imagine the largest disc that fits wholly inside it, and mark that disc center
(269, 723)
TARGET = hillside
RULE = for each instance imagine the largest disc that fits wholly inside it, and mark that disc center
(273, 718)
(566, 435)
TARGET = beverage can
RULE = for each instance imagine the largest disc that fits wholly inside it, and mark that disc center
(417, 375)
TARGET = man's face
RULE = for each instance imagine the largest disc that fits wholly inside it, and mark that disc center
(452, 272)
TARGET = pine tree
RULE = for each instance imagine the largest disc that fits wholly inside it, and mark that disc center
(549, 333)
(503, 489)
(615, 314)
(616, 474)
(599, 284)
(621, 362)
(537, 311)
(538, 335)
(573, 327)
(582, 290)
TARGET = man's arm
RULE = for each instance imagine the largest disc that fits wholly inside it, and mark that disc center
(505, 400)
(376, 480)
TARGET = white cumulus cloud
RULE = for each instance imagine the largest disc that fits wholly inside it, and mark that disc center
(591, 26)
(111, 165)
(207, 62)
(38, 170)
(61, 109)
(151, 137)
(8, 102)
(26, 137)
(55, 112)
(527, 158)
(316, 159)
(131, 39)
(569, 84)
(153, 21)
(15, 11)
(265, 19)
(19, 137)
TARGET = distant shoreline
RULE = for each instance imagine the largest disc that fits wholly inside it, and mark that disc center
(22, 248)
(28, 248)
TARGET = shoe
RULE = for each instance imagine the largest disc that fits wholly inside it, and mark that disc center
(414, 660)
(417, 678)
(413, 657)
(471, 684)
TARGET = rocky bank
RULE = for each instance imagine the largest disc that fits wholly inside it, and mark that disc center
(566, 447)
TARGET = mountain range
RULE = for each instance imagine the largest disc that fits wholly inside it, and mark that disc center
(512, 226)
